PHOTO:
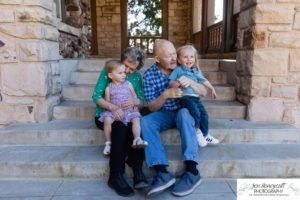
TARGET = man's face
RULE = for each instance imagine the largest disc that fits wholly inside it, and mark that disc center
(166, 57)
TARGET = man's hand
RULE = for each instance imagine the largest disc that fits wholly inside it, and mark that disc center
(172, 93)
(118, 113)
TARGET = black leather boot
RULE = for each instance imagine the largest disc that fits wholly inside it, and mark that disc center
(120, 185)
(139, 179)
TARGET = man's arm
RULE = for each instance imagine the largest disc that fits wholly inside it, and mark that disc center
(197, 87)
(167, 94)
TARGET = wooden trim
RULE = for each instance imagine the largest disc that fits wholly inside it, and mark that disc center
(123, 7)
(94, 44)
(63, 10)
(165, 19)
(204, 42)
(124, 39)
(228, 25)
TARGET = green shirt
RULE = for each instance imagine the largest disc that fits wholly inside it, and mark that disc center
(134, 78)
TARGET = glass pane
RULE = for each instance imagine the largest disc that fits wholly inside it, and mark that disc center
(144, 18)
(215, 11)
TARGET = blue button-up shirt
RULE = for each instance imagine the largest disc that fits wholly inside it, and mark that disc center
(155, 83)
(191, 73)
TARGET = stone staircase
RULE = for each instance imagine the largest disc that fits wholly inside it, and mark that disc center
(70, 146)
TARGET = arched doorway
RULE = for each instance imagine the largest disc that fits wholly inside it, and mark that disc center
(143, 21)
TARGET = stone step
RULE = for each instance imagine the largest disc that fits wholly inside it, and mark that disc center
(84, 132)
(222, 161)
(85, 110)
(96, 65)
(92, 77)
(84, 92)
(95, 189)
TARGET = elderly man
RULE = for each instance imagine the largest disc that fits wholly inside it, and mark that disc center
(166, 114)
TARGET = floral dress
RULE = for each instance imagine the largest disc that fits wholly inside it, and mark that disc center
(118, 95)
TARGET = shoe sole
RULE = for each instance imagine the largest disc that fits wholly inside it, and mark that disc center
(161, 188)
(123, 195)
(184, 193)
(139, 146)
(140, 186)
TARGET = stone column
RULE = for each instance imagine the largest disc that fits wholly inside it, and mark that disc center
(268, 70)
(29, 53)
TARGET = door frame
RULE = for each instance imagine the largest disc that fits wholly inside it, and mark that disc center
(123, 8)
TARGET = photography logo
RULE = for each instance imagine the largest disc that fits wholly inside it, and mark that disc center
(268, 189)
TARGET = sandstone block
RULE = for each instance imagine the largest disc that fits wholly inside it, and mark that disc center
(14, 113)
(263, 109)
(34, 14)
(44, 108)
(56, 85)
(39, 51)
(8, 52)
(24, 31)
(292, 116)
(11, 2)
(280, 28)
(7, 15)
(294, 60)
(274, 14)
(270, 62)
(55, 68)
(51, 33)
(297, 21)
(42, 3)
(17, 79)
(294, 77)
(279, 79)
(260, 86)
(288, 1)
(285, 91)
(285, 40)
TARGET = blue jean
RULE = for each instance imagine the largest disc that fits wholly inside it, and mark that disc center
(198, 112)
(159, 121)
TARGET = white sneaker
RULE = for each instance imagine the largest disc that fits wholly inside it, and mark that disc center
(211, 140)
(139, 143)
(201, 140)
(106, 150)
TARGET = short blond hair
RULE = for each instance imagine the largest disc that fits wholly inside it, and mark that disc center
(189, 46)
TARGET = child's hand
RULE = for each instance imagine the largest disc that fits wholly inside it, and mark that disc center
(185, 82)
(213, 93)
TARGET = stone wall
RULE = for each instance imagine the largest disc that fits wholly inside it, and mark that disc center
(179, 22)
(29, 69)
(78, 15)
(109, 28)
(268, 76)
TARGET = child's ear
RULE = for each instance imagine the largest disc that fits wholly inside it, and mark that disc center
(109, 75)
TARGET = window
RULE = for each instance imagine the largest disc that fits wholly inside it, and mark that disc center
(58, 8)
